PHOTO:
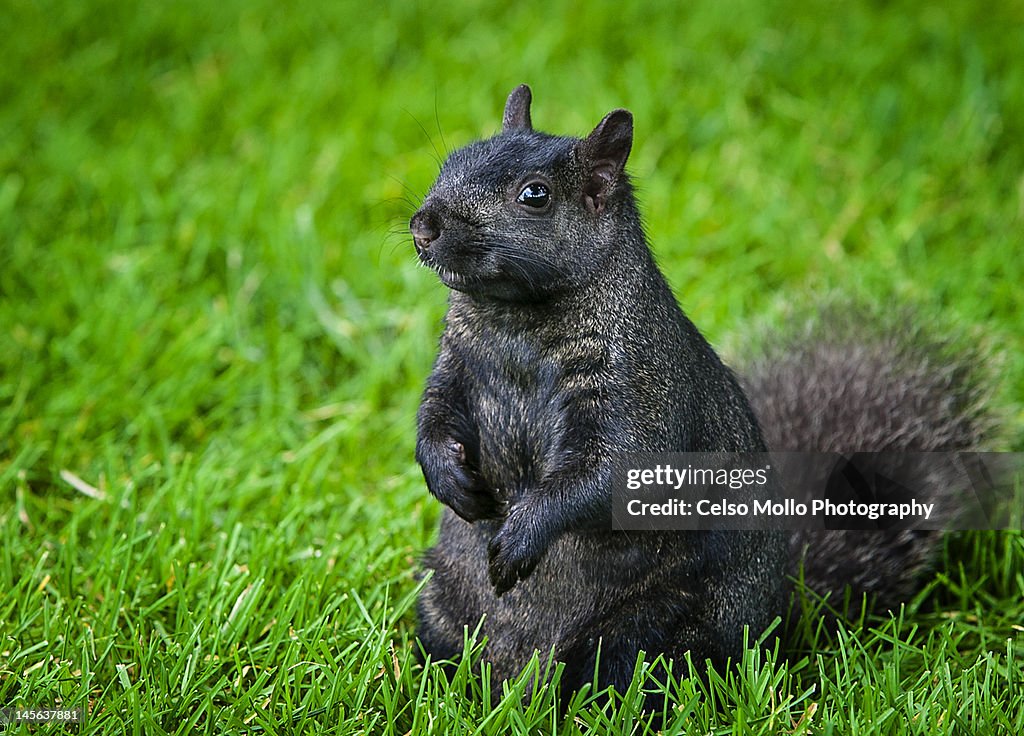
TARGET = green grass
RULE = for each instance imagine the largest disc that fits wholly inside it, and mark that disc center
(211, 322)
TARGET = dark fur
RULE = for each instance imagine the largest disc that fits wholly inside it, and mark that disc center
(563, 347)
(838, 386)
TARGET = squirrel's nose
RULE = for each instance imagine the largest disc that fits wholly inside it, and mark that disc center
(424, 231)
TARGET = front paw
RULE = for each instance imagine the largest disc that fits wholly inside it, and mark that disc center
(515, 550)
(455, 484)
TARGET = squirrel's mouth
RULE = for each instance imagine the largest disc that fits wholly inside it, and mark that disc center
(451, 279)
(454, 280)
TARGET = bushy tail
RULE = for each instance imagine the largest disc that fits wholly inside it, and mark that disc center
(839, 386)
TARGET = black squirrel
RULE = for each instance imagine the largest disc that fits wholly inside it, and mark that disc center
(564, 346)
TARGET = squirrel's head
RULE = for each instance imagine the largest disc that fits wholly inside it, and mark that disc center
(524, 215)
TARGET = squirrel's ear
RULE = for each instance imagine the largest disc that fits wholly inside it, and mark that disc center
(605, 152)
(517, 110)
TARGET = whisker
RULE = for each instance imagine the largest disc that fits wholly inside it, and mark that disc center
(437, 122)
(413, 197)
(437, 155)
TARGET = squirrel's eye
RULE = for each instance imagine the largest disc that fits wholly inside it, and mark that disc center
(534, 195)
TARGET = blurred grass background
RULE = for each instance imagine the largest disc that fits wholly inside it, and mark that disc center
(213, 334)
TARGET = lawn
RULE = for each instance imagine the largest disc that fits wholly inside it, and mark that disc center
(213, 333)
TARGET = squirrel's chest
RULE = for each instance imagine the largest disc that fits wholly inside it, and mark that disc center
(517, 399)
